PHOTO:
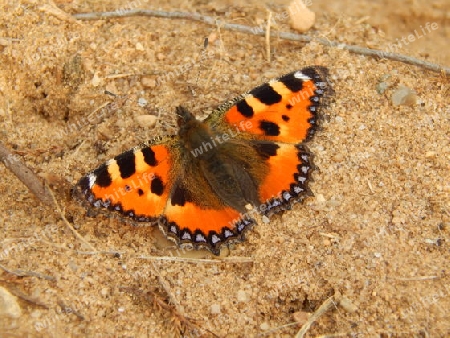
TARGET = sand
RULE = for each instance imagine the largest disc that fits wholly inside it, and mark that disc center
(374, 237)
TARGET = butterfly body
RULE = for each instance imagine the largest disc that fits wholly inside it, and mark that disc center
(203, 185)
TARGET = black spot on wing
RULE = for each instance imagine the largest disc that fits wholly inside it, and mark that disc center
(126, 163)
(266, 149)
(180, 195)
(266, 94)
(291, 82)
(269, 128)
(285, 118)
(149, 156)
(140, 192)
(157, 186)
(244, 108)
(102, 176)
(83, 183)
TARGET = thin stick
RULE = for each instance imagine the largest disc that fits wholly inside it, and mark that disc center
(319, 312)
(27, 298)
(25, 175)
(23, 273)
(269, 19)
(283, 35)
(198, 260)
(61, 214)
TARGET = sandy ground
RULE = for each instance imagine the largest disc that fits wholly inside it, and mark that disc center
(374, 237)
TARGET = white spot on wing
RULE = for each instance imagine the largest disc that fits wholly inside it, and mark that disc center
(91, 178)
(301, 76)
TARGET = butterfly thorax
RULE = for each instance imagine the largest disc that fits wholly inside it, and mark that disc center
(195, 136)
(220, 162)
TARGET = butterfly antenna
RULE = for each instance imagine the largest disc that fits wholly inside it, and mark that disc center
(205, 45)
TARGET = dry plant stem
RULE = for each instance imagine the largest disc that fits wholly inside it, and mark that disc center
(269, 19)
(283, 35)
(23, 273)
(198, 260)
(25, 175)
(61, 214)
(160, 302)
(27, 298)
(316, 315)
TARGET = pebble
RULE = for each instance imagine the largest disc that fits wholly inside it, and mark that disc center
(96, 80)
(8, 305)
(301, 17)
(404, 96)
(242, 296)
(148, 82)
(215, 308)
(347, 305)
(142, 102)
(139, 46)
(146, 121)
(264, 326)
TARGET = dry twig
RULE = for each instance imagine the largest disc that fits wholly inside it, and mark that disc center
(178, 319)
(32, 300)
(25, 175)
(316, 315)
(282, 35)
(61, 214)
(23, 273)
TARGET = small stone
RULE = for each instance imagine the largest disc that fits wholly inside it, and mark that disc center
(320, 198)
(8, 305)
(146, 121)
(104, 292)
(142, 102)
(212, 37)
(139, 46)
(404, 96)
(242, 296)
(148, 82)
(381, 87)
(215, 309)
(347, 305)
(301, 17)
(300, 317)
(96, 81)
(264, 326)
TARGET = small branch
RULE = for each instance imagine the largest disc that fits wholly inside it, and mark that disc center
(177, 318)
(25, 175)
(27, 298)
(61, 214)
(316, 315)
(198, 260)
(23, 273)
(269, 19)
(259, 32)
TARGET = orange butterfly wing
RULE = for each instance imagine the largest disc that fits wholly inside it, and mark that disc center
(278, 117)
(136, 183)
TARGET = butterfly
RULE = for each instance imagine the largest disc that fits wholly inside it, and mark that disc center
(203, 186)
